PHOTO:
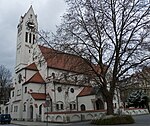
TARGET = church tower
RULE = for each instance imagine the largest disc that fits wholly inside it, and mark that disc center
(27, 32)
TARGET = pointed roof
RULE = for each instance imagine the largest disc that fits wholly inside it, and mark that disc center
(39, 96)
(30, 9)
(36, 78)
(31, 67)
(86, 91)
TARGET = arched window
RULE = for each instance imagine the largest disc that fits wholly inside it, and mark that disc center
(83, 108)
(60, 105)
(72, 106)
(26, 37)
(53, 75)
(30, 38)
(12, 93)
(33, 38)
(25, 90)
(24, 107)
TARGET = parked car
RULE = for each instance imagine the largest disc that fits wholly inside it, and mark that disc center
(5, 118)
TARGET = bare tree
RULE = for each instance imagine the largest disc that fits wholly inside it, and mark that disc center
(5, 81)
(110, 34)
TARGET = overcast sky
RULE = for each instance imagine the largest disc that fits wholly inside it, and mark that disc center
(48, 12)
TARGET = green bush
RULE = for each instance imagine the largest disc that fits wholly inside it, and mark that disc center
(114, 120)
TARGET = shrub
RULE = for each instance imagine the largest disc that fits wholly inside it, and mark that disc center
(113, 120)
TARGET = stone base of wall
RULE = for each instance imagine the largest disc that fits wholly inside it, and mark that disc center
(73, 116)
(87, 115)
(133, 111)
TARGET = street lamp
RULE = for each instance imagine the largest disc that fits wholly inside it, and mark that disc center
(47, 105)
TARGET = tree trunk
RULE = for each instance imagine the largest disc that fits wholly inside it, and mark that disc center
(110, 108)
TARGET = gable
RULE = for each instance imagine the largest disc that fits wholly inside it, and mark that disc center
(86, 91)
(36, 78)
(31, 67)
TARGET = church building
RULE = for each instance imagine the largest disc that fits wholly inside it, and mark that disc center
(50, 85)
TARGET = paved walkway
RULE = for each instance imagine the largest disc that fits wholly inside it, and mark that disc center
(142, 120)
(25, 123)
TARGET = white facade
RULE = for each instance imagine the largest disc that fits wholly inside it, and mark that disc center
(35, 79)
(25, 39)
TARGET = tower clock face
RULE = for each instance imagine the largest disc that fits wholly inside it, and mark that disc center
(30, 25)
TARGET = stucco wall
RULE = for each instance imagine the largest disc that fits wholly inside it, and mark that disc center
(73, 116)
(86, 100)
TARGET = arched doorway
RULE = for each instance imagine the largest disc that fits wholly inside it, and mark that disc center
(40, 113)
(99, 104)
(31, 112)
(83, 108)
(40, 110)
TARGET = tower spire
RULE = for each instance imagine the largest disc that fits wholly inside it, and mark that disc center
(25, 38)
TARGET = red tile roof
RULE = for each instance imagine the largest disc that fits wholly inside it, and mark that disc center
(36, 78)
(38, 96)
(32, 67)
(86, 91)
(60, 60)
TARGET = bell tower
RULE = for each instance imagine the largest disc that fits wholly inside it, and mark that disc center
(26, 35)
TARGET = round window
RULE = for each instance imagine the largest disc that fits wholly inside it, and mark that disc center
(72, 90)
(59, 89)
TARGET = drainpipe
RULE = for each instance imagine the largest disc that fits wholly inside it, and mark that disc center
(54, 108)
(45, 89)
(77, 103)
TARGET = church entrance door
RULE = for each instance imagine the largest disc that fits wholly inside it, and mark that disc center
(99, 104)
(31, 112)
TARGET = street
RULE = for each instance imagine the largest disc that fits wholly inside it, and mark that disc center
(8, 125)
(140, 120)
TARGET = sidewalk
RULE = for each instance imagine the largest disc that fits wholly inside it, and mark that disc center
(27, 123)
(142, 120)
